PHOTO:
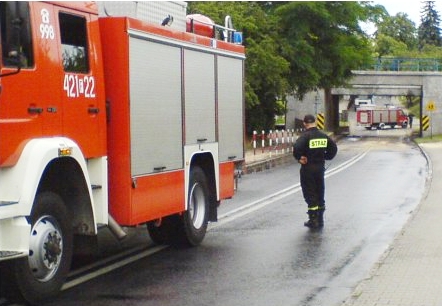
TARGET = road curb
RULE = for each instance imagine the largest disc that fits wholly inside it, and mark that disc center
(268, 163)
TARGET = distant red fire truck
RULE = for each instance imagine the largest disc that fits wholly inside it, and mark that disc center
(380, 117)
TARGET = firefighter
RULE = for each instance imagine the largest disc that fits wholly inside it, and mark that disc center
(311, 150)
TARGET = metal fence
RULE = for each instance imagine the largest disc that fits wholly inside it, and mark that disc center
(404, 64)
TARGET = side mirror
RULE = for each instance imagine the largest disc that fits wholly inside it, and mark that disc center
(14, 58)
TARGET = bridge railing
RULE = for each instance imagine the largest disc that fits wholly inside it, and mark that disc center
(404, 64)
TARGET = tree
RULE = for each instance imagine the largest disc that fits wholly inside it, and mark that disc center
(323, 42)
(387, 45)
(429, 30)
(400, 28)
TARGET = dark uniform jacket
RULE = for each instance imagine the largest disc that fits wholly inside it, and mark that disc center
(315, 145)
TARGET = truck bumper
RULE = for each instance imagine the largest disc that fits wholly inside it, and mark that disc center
(14, 238)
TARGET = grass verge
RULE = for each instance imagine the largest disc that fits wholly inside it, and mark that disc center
(427, 139)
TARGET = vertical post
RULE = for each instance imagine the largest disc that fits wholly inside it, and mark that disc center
(431, 125)
(293, 138)
(277, 141)
(421, 109)
(254, 142)
(288, 140)
(262, 140)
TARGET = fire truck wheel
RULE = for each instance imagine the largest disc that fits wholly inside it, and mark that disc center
(156, 233)
(41, 274)
(195, 219)
(163, 232)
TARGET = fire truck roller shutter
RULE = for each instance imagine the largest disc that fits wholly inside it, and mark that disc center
(155, 86)
(199, 88)
(230, 108)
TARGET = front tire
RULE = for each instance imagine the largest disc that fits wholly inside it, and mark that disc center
(40, 275)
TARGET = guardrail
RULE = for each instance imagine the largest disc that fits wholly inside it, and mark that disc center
(404, 64)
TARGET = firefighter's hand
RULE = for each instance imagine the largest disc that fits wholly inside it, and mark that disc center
(303, 160)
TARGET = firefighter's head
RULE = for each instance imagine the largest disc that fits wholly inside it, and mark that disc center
(309, 121)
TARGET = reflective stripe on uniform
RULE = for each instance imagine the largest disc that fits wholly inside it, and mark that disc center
(313, 208)
(317, 143)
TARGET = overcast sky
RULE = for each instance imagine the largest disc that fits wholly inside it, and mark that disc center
(411, 7)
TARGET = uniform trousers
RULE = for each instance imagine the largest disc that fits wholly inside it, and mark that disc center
(313, 186)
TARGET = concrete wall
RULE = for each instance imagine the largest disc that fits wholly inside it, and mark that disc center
(432, 92)
(312, 103)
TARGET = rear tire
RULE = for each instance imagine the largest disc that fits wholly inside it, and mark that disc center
(195, 219)
(188, 229)
(40, 275)
(166, 231)
(156, 233)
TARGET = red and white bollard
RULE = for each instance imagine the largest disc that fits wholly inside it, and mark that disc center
(263, 137)
(254, 142)
(277, 141)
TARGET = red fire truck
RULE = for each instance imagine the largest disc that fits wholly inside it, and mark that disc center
(109, 121)
(379, 117)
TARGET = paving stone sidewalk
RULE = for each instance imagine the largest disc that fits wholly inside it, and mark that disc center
(410, 272)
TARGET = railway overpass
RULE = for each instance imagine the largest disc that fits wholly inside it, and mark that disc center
(424, 84)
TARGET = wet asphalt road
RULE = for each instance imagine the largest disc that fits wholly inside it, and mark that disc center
(266, 256)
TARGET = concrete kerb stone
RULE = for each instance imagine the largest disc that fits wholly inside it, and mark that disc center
(267, 163)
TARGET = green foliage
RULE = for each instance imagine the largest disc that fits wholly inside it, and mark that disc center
(431, 51)
(398, 28)
(429, 30)
(387, 45)
(412, 104)
(323, 42)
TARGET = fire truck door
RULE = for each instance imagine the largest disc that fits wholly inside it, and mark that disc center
(29, 100)
(81, 112)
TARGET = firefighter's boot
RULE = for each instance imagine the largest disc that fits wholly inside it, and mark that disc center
(321, 216)
(313, 221)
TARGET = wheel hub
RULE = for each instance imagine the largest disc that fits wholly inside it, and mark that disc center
(46, 245)
(197, 205)
(52, 248)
